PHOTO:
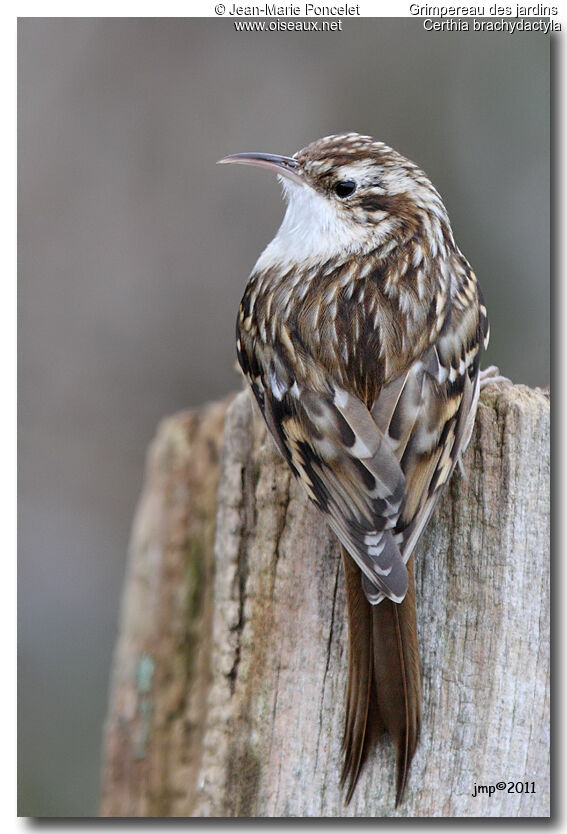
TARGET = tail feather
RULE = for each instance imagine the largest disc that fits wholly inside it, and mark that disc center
(362, 723)
(384, 683)
(397, 676)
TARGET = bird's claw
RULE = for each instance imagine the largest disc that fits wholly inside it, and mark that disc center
(492, 375)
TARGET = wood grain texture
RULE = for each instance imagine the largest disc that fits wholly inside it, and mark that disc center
(161, 664)
(265, 707)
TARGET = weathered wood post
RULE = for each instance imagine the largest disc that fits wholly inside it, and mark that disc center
(229, 676)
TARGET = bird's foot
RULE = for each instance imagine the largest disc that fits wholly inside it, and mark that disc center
(492, 375)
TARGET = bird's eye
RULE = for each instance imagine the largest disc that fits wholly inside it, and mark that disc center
(345, 188)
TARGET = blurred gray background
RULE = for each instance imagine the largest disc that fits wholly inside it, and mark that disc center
(134, 250)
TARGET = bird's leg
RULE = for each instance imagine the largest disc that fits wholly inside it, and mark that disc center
(492, 375)
(488, 376)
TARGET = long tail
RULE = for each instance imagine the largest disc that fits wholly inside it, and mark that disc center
(384, 681)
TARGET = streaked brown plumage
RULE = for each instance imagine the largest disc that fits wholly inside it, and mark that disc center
(360, 332)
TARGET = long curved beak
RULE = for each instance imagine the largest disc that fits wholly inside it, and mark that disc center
(285, 166)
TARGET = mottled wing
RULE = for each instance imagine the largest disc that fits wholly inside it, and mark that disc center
(427, 415)
(333, 445)
(377, 475)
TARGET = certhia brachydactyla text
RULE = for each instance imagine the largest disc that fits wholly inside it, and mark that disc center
(360, 333)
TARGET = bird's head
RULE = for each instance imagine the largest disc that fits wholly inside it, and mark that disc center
(349, 194)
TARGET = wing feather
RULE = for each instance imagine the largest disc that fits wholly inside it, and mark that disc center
(348, 468)
(375, 469)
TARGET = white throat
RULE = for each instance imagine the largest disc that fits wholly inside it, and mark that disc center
(312, 229)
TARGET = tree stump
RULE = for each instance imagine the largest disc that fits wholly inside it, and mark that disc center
(229, 677)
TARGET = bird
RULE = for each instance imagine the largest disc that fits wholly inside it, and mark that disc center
(360, 333)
